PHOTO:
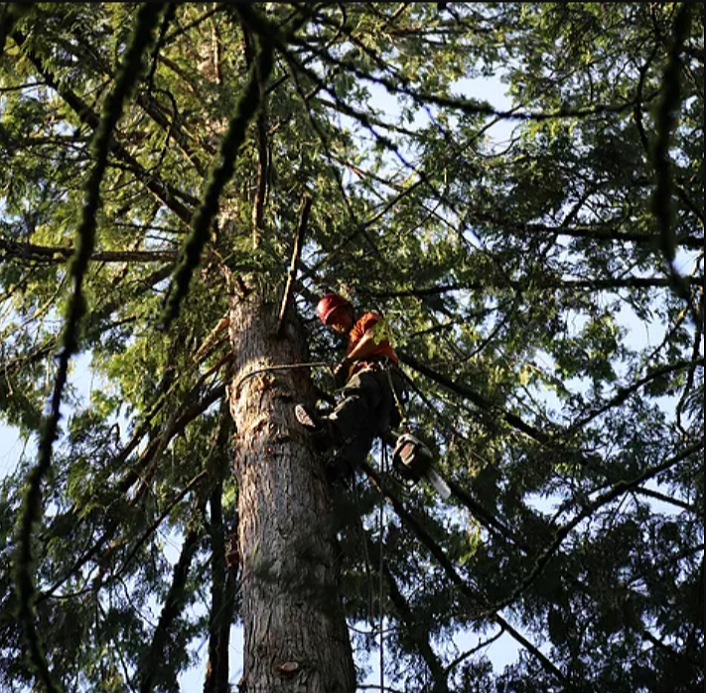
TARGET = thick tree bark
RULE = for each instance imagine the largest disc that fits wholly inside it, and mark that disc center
(295, 635)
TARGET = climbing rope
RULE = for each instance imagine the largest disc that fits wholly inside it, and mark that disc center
(381, 567)
(404, 420)
(283, 367)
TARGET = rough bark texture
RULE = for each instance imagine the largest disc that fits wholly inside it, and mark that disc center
(295, 635)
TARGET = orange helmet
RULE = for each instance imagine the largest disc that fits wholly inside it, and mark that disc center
(328, 303)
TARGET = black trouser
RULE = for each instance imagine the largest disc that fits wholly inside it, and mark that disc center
(367, 409)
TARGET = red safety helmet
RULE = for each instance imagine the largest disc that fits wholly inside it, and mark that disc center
(330, 302)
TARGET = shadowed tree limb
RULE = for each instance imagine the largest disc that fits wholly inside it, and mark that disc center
(31, 512)
(476, 599)
(511, 419)
(155, 661)
(624, 393)
(555, 283)
(57, 255)
(666, 123)
(561, 533)
(220, 175)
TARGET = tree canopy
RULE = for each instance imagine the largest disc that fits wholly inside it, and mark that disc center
(545, 293)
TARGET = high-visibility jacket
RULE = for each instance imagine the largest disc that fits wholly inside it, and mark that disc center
(381, 338)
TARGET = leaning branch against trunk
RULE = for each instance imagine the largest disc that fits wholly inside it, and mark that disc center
(263, 147)
(296, 254)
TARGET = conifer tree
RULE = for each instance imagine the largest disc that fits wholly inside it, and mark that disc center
(178, 184)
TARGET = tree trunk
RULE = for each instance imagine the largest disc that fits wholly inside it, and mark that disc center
(295, 635)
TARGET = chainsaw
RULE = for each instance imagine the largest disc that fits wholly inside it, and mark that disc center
(414, 461)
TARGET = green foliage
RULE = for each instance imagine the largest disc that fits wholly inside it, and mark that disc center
(555, 360)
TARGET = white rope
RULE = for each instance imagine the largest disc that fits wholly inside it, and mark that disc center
(381, 573)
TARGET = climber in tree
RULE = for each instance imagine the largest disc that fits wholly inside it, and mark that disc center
(372, 388)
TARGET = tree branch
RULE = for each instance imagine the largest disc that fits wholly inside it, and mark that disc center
(475, 598)
(666, 122)
(55, 255)
(177, 424)
(561, 533)
(624, 393)
(540, 283)
(155, 660)
(155, 525)
(162, 191)
(296, 254)
(511, 419)
(31, 511)
(667, 499)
